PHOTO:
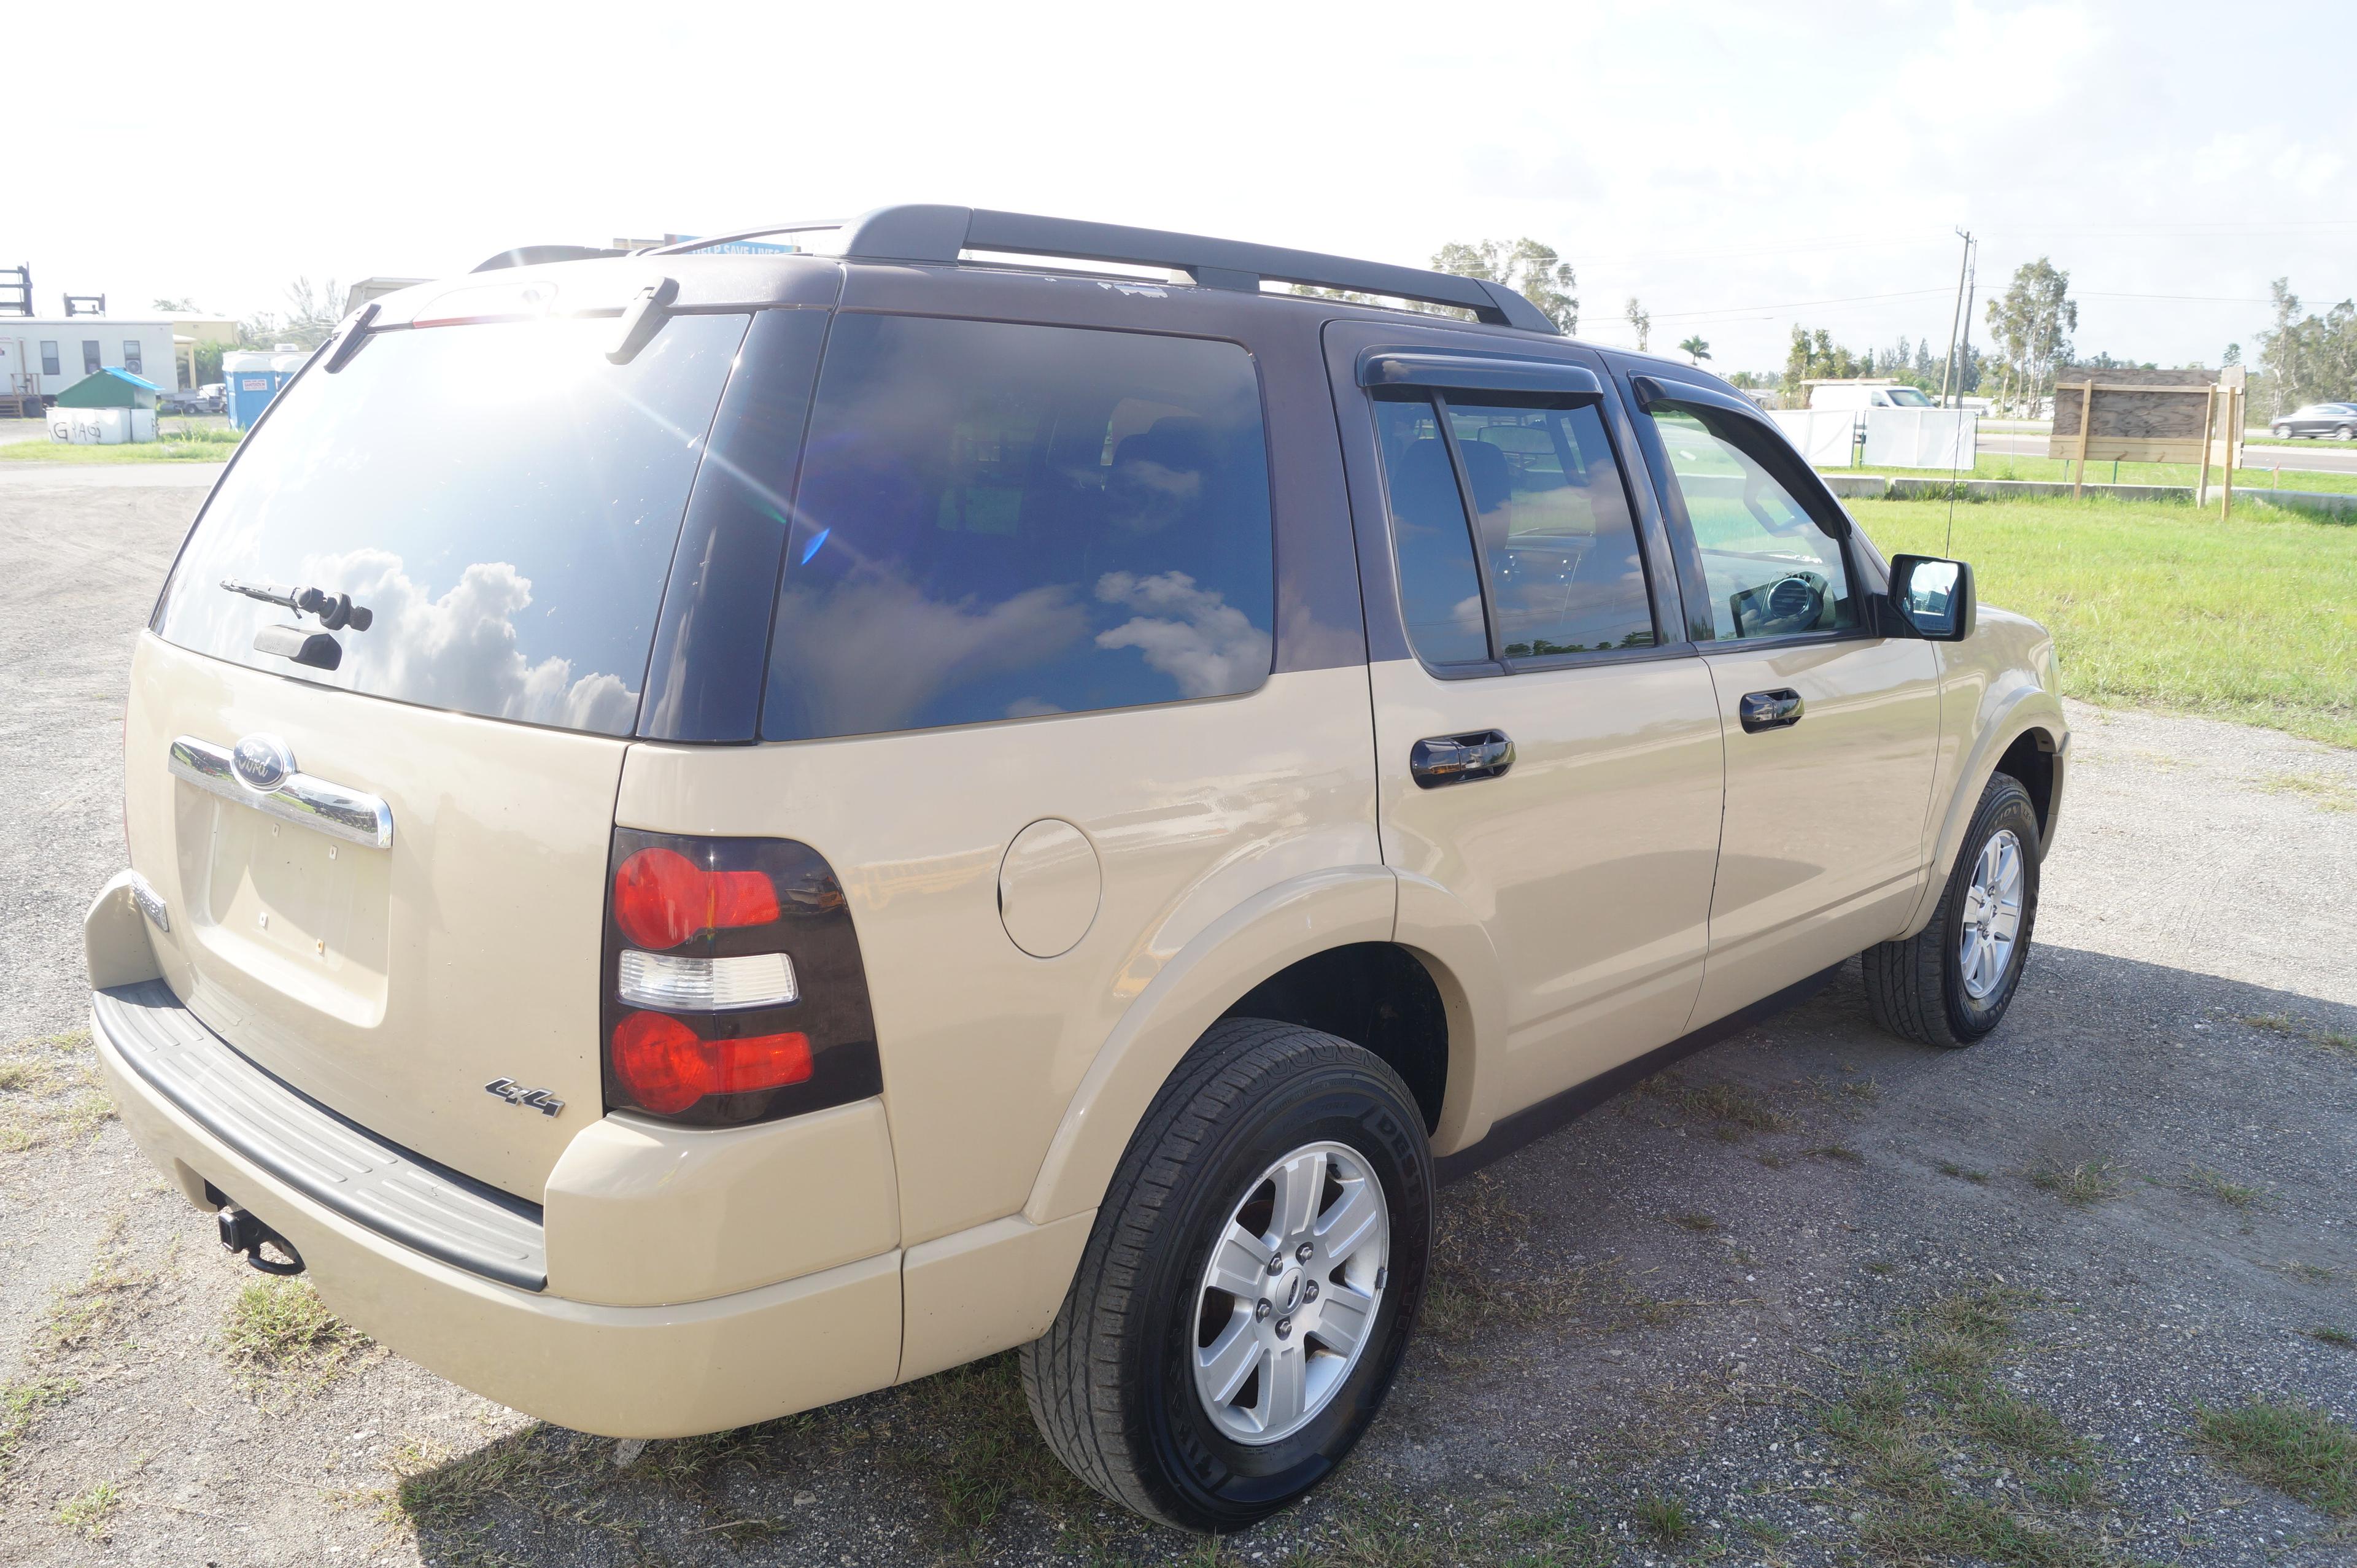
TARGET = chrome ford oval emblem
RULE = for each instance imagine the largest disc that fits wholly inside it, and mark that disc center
(262, 763)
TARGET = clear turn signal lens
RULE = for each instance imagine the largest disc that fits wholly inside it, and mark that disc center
(706, 984)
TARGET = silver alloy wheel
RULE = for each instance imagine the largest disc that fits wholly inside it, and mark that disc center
(1992, 916)
(1288, 1299)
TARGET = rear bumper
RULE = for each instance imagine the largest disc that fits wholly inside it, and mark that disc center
(623, 1371)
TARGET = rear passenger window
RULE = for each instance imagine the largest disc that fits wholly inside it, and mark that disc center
(998, 521)
(1552, 546)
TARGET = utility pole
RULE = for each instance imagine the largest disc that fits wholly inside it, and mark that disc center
(1965, 337)
(1948, 373)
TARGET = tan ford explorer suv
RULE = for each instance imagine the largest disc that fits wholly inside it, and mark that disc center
(713, 832)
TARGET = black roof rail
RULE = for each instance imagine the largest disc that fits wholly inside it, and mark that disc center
(918, 233)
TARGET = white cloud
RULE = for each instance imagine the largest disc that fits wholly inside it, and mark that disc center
(872, 654)
(461, 650)
(1192, 635)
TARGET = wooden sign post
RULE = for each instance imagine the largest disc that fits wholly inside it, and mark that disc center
(2133, 416)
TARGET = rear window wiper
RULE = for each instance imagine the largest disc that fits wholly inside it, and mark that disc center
(316, 648)
(336, 611)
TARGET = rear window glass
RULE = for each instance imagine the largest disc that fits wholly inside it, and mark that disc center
(500, 499)
(998, 521)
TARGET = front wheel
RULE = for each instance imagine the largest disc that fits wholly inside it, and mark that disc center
(1252, 1280)
(1952, 982)
(2346, 433)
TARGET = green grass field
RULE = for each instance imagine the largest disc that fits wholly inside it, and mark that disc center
(2248, 476)
(201, 444)
(2161, 607)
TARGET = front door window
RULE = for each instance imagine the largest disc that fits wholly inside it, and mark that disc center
(1773, 569)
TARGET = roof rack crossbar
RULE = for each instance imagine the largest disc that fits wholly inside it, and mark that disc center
(919, 233)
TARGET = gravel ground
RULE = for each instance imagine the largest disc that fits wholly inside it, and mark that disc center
(1658, 1332)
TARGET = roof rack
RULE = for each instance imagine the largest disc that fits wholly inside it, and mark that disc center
(918, 232)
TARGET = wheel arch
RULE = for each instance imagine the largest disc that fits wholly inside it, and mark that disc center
(2028, 729)
(1291, 952)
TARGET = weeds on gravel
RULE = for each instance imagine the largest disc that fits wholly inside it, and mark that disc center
(1692, 1220)
(2292, 1448)
(86, 1512)
(2340, 1339)
(1949, 1168)
(1730, 1106)
(1918, 1435)
(1666, 1520)
(49, 1089)
(280, 1336)
(987, 1453)
(21, 1404)
(92, 1312)
(1476, 1224)
(2325, 794)
(2233, 1195)
(2342, 1041)
(2082, 1186)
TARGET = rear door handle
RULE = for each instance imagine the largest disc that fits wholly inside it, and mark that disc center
(1461, 759)
(1772, 710)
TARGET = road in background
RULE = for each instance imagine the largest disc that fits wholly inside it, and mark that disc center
(2309, 457)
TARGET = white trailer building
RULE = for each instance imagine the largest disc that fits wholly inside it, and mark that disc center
(42, 356)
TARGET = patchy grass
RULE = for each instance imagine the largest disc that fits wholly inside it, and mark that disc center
(986, 1452)
(87, 1512)
(2292, 1448)
(280, 1337)
(2340, 1339)
(1732, 1109)
(21, 1405)
(1692, 1220)
(2233, 1195)
(91, 1314)
(1840, 1152)
(2339, 1040)
(2082, 1186)
(2130, 591)
(1470, 1292)
(48, 1090)
(2307, 1274)
(2325, 794)
(1924, 1438)
(1666, 1520)
(1949, 1168)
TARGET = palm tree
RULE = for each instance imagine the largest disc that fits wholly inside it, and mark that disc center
(1696, 349)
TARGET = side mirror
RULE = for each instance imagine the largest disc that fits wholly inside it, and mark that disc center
(1933, 598)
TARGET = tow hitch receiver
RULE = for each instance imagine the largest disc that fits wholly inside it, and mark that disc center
(244, 1234)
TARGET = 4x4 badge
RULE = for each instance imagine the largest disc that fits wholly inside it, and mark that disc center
(514, 1093)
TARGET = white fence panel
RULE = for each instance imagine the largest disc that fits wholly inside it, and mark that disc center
(1922, 438)
(1823, 435)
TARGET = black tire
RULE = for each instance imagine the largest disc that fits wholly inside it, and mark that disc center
(1111, 1383)
(1916, 988)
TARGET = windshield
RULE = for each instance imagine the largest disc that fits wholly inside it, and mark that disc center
(1908, 397)
(501, 499)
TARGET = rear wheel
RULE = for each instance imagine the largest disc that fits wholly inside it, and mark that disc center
(1950, 982)
(1252, 1280)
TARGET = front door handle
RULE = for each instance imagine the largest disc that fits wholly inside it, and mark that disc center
(1772, 710)
(1461, 759)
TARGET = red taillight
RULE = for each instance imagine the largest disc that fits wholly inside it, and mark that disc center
(668, 1066)
(661, 898)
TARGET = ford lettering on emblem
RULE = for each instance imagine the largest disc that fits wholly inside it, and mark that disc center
(262, 763)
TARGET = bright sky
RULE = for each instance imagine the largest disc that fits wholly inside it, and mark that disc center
(1737, 167)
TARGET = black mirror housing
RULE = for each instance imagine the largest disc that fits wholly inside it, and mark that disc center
(1932, 597)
